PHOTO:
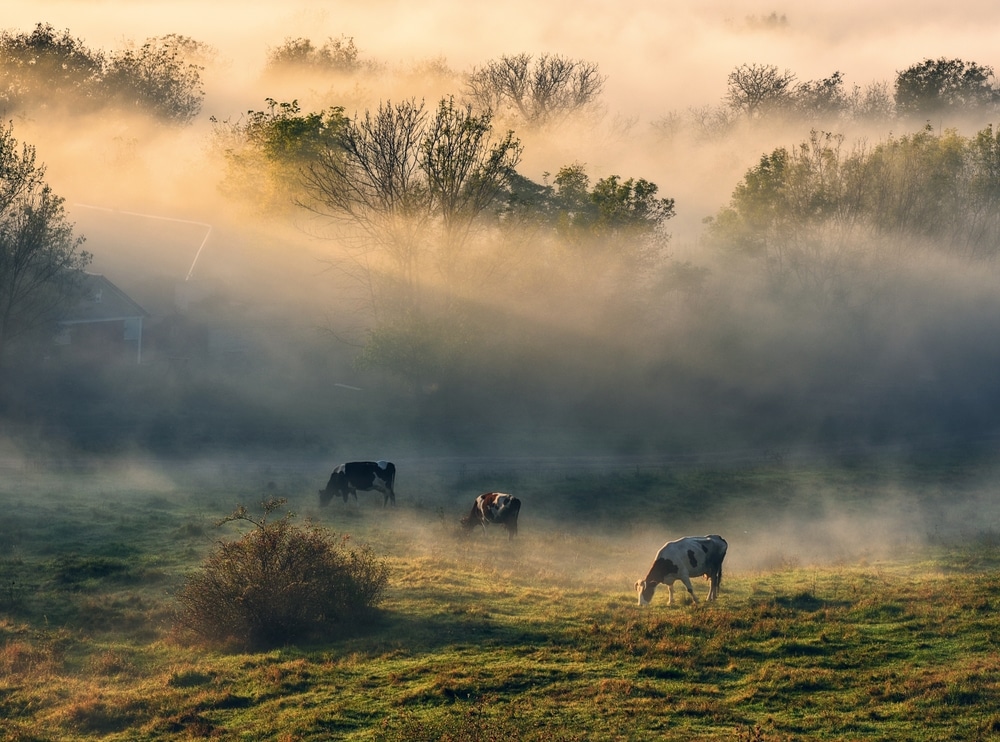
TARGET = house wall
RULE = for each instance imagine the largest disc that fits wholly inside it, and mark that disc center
(111, 341)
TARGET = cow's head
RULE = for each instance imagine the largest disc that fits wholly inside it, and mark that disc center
(645, 589)
(325, 496)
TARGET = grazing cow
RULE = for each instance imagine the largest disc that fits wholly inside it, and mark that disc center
(494, 507)
(348, 478)
(683, 559)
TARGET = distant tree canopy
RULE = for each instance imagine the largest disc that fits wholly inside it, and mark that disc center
(805, 213)
(762, 92)
(933, 86)
(536, 91)
(46, 70)
(297, 55)
(39, 256)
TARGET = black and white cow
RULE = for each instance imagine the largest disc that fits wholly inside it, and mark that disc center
(348, 478)
(692, 556)
(494, 507)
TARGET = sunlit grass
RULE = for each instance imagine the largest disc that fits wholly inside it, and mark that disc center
(479, 637)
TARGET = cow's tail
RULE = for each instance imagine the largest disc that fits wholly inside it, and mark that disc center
(472, 519)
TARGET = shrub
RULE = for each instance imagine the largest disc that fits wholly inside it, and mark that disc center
(280, 583)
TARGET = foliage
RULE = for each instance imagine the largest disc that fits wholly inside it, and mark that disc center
(805, 212)
(157, 79)
(616, 215)
(935, 86)
(39, 256)
(266, 152)
(280, 584)
(538, 91)
(823, 100)
(47, 70)
(301, 55)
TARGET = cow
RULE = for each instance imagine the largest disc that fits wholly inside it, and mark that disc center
(683, 559)
(348, 478)
(494, 507)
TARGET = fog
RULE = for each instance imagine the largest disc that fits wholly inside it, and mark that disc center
(725, 375)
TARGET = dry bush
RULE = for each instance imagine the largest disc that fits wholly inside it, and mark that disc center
(280, 583)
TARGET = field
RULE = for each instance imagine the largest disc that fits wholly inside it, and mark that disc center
(859, 602)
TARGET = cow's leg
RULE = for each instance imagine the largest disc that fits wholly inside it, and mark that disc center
(687, 583)
(670, 593)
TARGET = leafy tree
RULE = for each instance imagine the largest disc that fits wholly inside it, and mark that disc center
(874, 102)
(934, 86)
(537, 91)
(820, 99)
(799, 214)
(983, 194)
(267, 151)
(756, 90)
(919, 188)
(814, 215)
(300, 54)
(626, 215)
(156, 79)
(39, 256)
(47, 68)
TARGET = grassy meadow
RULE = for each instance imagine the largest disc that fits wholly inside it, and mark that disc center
(858, 602)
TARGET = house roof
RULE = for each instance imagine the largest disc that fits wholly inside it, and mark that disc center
(102, 302)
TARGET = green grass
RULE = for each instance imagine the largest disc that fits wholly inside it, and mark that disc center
(538, 639)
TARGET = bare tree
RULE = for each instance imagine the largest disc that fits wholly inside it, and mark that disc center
(39, 256)
(371, 183)
(466, 172)
(537, 91)
(757, 89)
(410, 185)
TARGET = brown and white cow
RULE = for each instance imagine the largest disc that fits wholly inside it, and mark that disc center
(692, 556)
(348, 478)
(494, 507)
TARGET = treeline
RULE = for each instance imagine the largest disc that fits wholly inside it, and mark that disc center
(53, 71)
(494, 302)
(760, 94)
(818, 215)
